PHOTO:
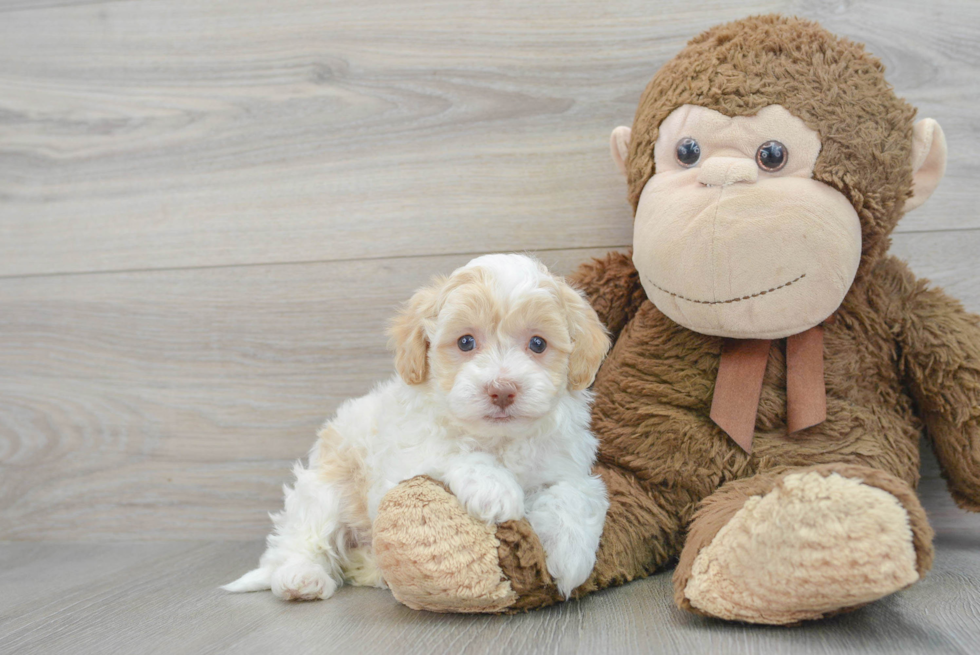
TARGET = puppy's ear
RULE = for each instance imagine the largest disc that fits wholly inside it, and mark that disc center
(589, 339)
(407, 336)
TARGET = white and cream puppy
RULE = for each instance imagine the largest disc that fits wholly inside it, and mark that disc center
(491, 398)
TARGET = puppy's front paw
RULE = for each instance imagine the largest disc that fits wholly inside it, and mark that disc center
(569, 565)
(493, 497)
(300, 579)
(568, 519)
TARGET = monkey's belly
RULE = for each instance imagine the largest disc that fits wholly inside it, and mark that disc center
(653, 397)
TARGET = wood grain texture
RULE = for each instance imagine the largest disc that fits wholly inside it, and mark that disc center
(164, 134)
(163, 598)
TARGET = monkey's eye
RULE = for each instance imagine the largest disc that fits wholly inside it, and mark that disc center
(771, 156)
(537, 344)
(466, 343)
(688, 152)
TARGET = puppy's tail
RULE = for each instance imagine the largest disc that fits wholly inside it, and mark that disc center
(255, 580)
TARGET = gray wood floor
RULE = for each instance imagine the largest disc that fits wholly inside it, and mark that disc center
(162, 597)
(208, 211)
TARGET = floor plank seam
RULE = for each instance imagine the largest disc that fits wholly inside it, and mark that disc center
(352, 260)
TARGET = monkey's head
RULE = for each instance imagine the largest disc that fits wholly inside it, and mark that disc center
(767, 165)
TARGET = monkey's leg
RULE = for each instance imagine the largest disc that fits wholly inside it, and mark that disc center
(435, 556)
(802, 543)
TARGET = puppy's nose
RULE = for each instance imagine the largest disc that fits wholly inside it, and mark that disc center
(502, 394)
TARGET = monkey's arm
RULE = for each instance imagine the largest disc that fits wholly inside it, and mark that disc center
(941, 356)
(642, 532)
(612, 286)
(435, 556)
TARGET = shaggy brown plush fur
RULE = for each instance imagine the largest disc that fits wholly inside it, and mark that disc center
(900, 359)
(830, 83)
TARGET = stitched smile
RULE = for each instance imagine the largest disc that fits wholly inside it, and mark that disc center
(730, 300)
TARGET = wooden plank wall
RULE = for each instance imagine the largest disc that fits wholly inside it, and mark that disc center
(209, 209)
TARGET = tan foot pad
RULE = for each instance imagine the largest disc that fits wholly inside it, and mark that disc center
(812, 545)
(435, 556)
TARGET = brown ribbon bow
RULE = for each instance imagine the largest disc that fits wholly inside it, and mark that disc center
(738, 386)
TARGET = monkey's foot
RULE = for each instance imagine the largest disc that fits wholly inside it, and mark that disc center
(819, 541)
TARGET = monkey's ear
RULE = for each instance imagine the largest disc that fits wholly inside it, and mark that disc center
(928, 161)
(619, 145)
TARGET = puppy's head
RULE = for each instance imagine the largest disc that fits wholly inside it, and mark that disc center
(501, 338)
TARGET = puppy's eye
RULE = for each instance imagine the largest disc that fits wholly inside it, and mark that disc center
(466, 343)
(688, 152)
(771, 156)
(537, 344)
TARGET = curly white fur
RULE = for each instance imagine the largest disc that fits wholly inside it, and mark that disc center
(530, 458)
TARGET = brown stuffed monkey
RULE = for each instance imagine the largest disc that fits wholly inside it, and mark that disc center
(773, 368)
